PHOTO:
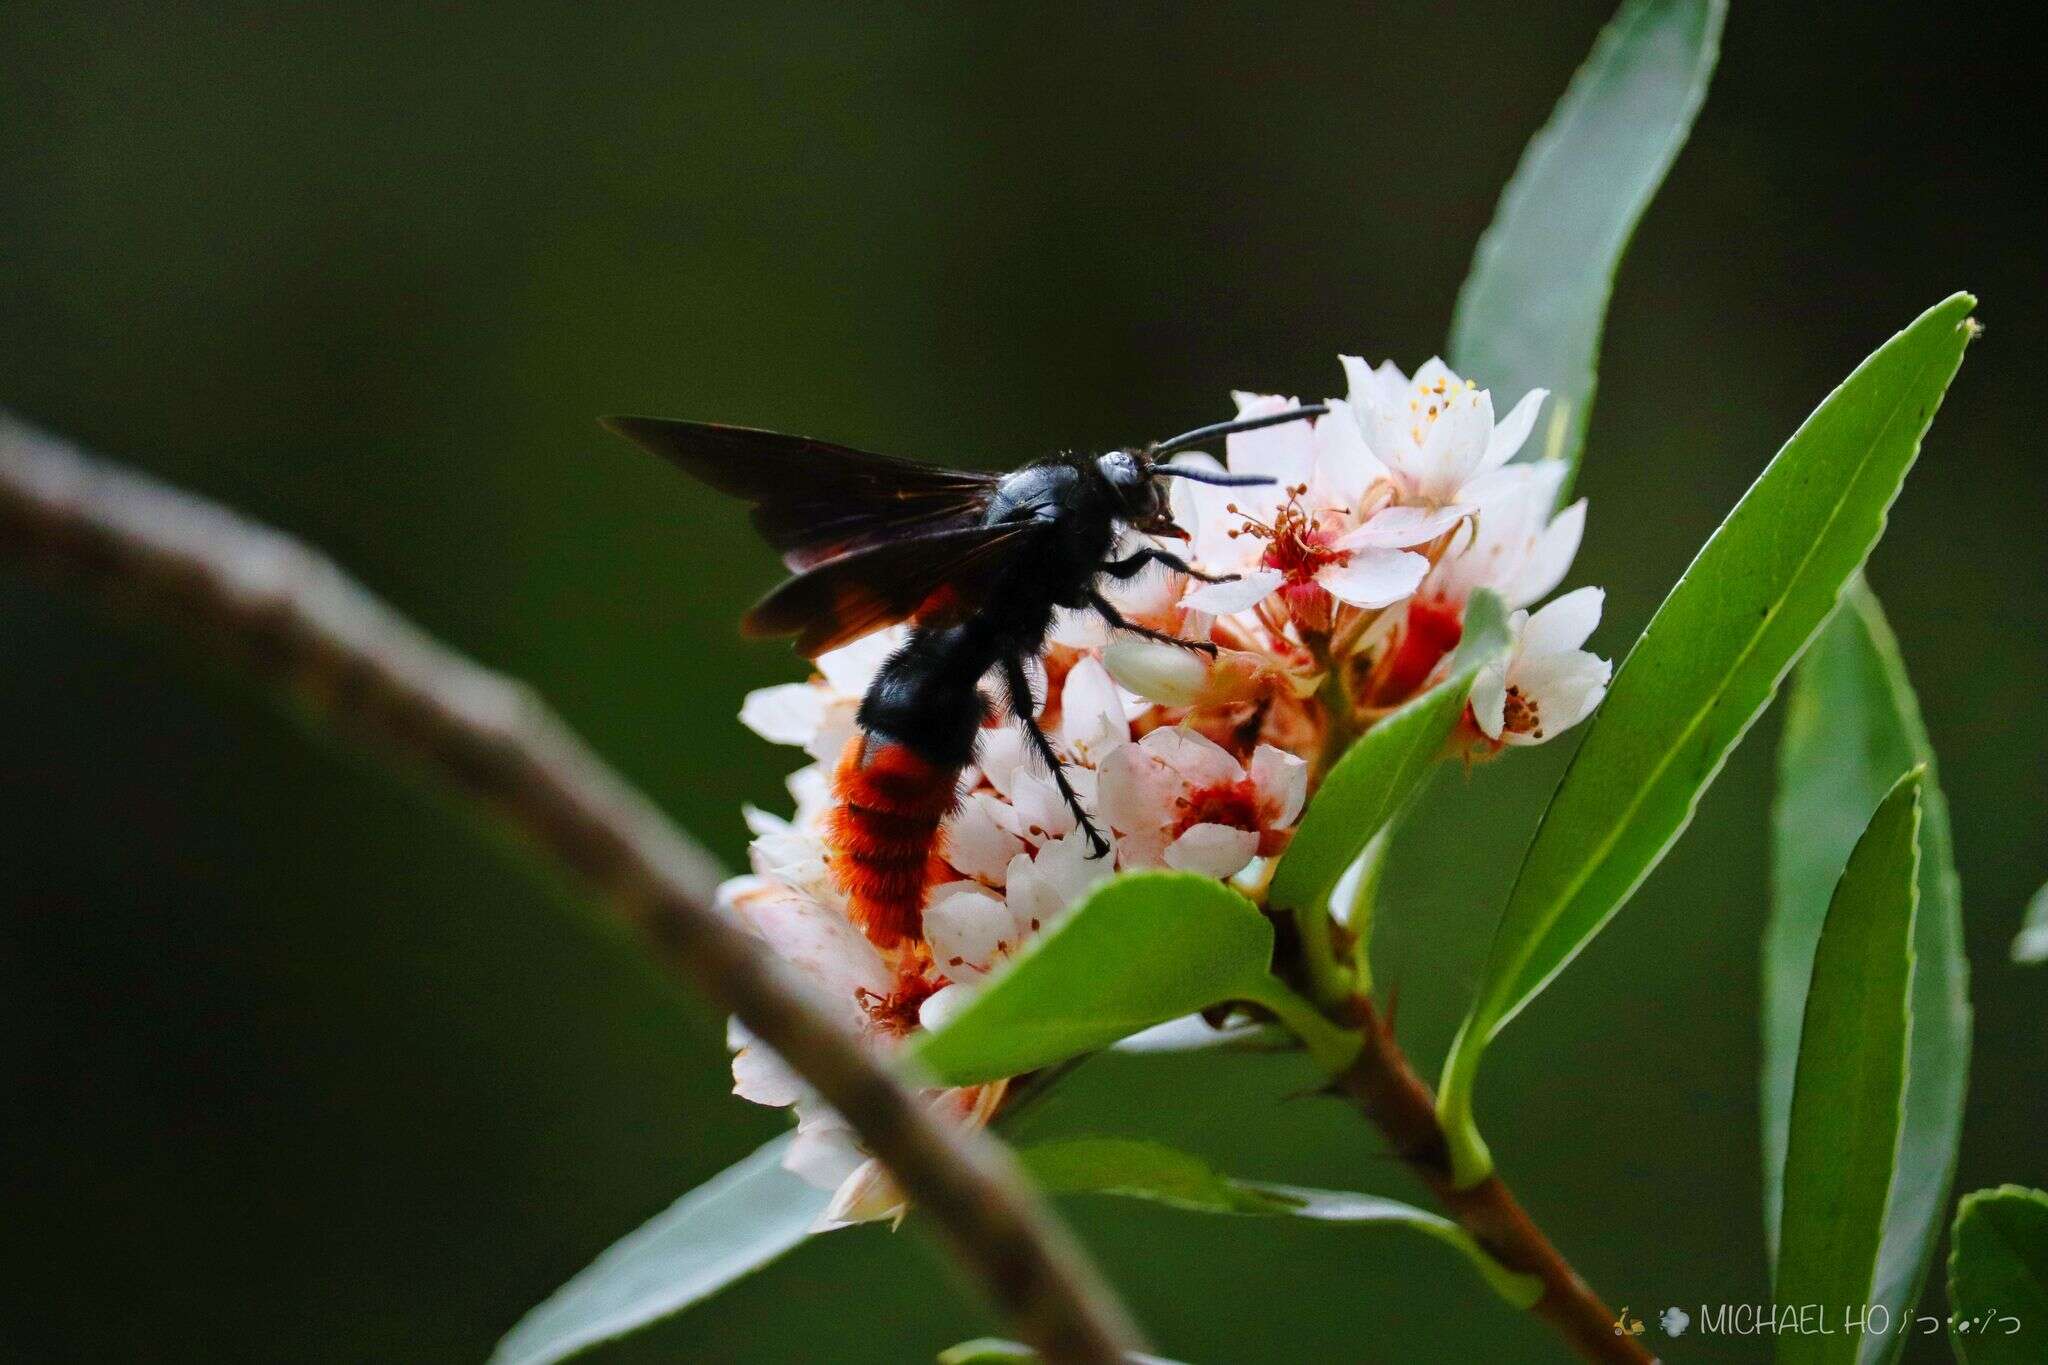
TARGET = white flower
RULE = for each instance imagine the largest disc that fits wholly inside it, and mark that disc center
(1025, 806)
(1181, 801)
(1518, 547)
(1434, 433)
(818, 715)
(970, 929)
(1312, 534)
(1546, 684)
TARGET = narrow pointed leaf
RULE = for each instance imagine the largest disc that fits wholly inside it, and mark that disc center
(726, 1228)
(997, 1351)
(1531, 310)
(1382, 769)
(1138, 950)
(1848, 1094)
(1852, 728)
(1164, 1175)
(2030, 945)
(1703, 671)
(1998, 1277)
(1193, 1033)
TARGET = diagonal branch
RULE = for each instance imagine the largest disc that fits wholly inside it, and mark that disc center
(1382, 1084)
(290, 617)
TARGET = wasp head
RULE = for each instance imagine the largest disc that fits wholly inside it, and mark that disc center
(1141, 500)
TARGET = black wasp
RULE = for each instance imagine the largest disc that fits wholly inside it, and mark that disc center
(977, 562)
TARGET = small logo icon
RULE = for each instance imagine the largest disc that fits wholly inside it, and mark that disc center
(1626, 1326)
(1675, 1321)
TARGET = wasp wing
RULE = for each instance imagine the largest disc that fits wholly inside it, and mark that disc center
(815, 501)
(938, 579)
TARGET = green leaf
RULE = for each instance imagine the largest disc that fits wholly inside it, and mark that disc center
(1138, 950)
(1704, 670)
(1368, 784)
(1193, 1033)
(1530, 313)
(1164, 1175)
(988, 1351)
(1852, 727)
(1848, 1095)
(726, 1228)
(996, 1351)
(2030, 944)
(1998, 1277)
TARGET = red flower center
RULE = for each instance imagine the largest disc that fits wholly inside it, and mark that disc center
(1220, 803)
(1432, 630)
(1295, 544)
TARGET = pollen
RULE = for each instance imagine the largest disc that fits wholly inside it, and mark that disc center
(1521, 715)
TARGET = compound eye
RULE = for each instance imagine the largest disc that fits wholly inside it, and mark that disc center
(1119, 468)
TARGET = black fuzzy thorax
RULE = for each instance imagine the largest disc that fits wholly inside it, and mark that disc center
(927, 695)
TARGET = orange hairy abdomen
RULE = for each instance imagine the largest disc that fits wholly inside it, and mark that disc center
(885, 831)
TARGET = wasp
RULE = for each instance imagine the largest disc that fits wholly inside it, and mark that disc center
(977, 563)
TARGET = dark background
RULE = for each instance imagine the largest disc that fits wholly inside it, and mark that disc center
(296, 1067)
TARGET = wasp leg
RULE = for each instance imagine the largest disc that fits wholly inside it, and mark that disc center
(1019, 687)
(1117, 621)
(1130, 564)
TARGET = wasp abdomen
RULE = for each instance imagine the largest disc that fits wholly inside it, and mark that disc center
(886, 832)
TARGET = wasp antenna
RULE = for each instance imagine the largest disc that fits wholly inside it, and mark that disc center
(1201, 434)
(1215, 476)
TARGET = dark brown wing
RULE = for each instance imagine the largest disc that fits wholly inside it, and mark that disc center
(815, 501)
(937, 578)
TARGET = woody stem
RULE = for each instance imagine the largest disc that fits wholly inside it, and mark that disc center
(1389, 1093)
(290, 618)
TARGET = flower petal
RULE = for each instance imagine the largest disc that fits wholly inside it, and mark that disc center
(869, 1195)
(1240, 594)
(943, 1005)
(1040, 812)
(788, 713)
(1454, 443)
(1344, 465)
(1092, 718)
(1198, 760)
(1374, 578)
(850, 668)
(1002, 753)
(1212, 850)
(1160, 672)
(1135, 788)
(1285, 453)
(967, 931)
(759, 1076)
(824, 1152)
(819, 942)
(1282, 780)
(976, 842)
(1550, 557)
(1512, 430)
(1563, 625)
(1489, 699)
(1564, 688)
(1398, 527)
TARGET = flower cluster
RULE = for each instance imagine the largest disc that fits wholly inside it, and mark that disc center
(1353, 569)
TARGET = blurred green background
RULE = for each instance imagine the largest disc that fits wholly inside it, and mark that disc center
(297, 1068)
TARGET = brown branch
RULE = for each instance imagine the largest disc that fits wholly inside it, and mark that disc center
(291, 618)
(1397, 1101)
